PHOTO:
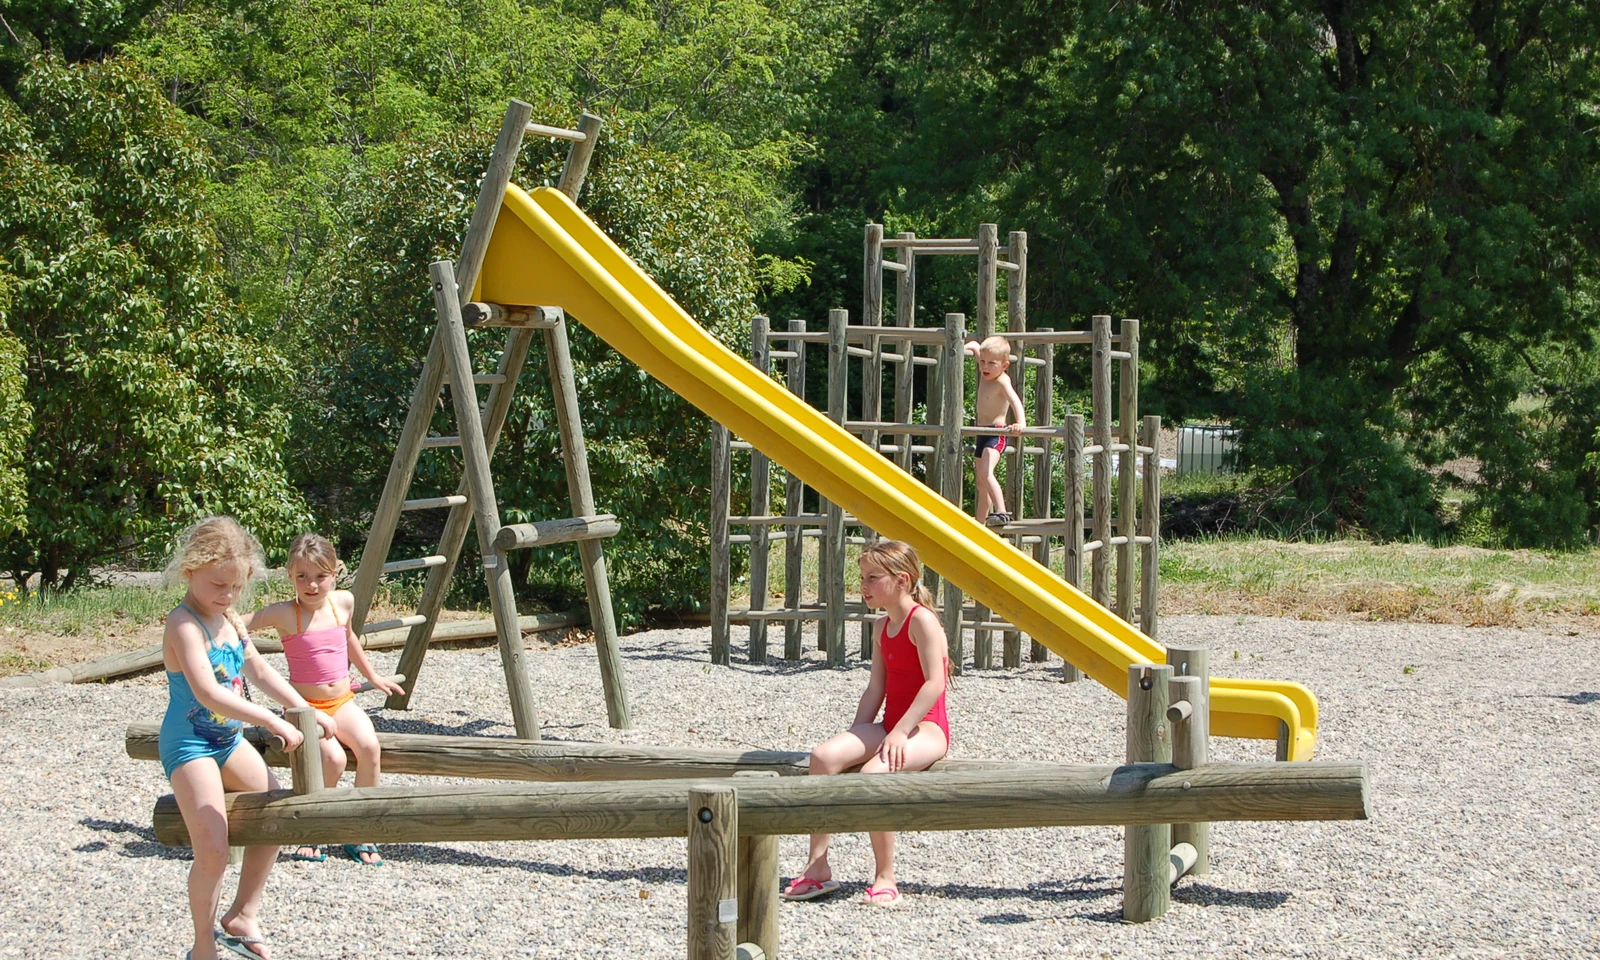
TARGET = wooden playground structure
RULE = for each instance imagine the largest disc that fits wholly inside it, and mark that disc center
(1123, 525)
(731, 805)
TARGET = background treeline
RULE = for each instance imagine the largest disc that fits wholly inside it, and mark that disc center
(1369, 234)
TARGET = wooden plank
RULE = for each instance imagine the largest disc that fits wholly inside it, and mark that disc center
(544, 533)
(486, 512)
(952, 458)
(871, 408)
(988, 252)
(1102, 413)
(305, 761)
(905, 316)
(721, 549)
(597, 585)
(1152, 793)
(415, 563)
(506, 758)
(713, 828)
(1043, 468)
(578, 157)
(760, 504)
(794, 505)
(1127, 465)
(1191, 739)
(1146, 886)
(1150, 530)
(758, 886)
(560, 133)
(832, 592)
(480, 314)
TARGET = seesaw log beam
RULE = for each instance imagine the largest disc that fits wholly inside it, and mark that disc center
(952, 800)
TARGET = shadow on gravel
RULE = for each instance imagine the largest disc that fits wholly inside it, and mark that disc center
(1055, 891)
(385, 724)
(1578, 699)
(448, 856)
(1205, 895)
(145, 846)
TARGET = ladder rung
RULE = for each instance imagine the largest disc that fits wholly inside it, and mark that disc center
(482, 378)
(419, 563)
(432, 503)
(415, 619)
(518, 536)
(429, 443)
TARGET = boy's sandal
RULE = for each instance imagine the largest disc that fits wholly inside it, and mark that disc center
(239, 945)
(886, 897)
(355, 850)
(317, 850)
(805, 888)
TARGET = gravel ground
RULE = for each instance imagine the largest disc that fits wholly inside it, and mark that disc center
(1483, 775)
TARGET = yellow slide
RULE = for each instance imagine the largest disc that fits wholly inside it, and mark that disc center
(546, 252)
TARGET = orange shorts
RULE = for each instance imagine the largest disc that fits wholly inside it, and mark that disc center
(330, 707)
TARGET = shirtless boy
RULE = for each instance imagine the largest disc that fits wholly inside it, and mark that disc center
(996, 397)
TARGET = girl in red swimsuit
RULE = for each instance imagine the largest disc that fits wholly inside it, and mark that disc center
(908, 682)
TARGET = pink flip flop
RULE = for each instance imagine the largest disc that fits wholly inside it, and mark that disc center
(805, 888)
(886, 897)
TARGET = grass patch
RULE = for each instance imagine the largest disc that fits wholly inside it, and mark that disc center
(1357, 579)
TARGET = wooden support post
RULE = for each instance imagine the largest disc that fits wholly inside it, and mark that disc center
(721, 548)
(872, 373)
(305, 761)
(578, 156)
(758, 887)
(1043, 415)
(988, 255)
(794, 544)
(485, 511)
(1100, 563)
(905, 315)
(1017, 322)
(832, 594)
(591, 554)
(760, 504)
(1150, 527)
(952, 476)
(1191, 739)
(1072, 555)
(713, 872)
(1146, 883)
(1127, 466)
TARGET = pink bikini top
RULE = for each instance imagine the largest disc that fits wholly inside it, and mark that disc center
(317, 656)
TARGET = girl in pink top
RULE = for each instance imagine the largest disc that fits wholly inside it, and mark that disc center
(320, 647)
(908, 682)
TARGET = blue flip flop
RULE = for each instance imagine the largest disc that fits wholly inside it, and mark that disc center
(316, 859)
(355, 850)
(238, 944)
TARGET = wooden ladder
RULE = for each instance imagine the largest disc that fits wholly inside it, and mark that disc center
(477, 431)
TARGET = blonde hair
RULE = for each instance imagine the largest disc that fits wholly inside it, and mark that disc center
(217, 539)
(995, 347)
(897, 558)
(315, 551)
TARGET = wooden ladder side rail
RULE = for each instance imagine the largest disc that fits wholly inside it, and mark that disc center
(380, 534)
(1064, 796)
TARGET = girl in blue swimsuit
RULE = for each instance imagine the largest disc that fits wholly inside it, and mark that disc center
(208, 654)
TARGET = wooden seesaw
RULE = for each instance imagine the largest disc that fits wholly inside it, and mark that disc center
(732, 825)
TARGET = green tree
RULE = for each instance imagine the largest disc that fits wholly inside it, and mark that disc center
(154, 400)
(1366, 231)
(16, 422)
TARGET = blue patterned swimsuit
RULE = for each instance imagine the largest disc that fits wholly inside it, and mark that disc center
(191, 730)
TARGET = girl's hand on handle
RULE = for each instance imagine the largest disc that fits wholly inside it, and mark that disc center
(893, 751)
(326, 723)
(285, 731)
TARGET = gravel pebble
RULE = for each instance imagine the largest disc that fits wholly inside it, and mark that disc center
(1483, 760)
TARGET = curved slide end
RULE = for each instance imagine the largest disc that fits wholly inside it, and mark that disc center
(546, 252)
